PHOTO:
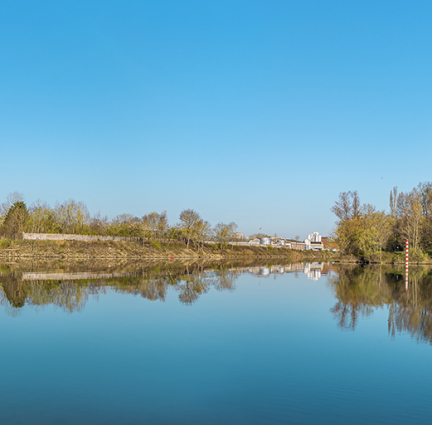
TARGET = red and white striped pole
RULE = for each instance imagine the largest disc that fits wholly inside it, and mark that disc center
(406, 266)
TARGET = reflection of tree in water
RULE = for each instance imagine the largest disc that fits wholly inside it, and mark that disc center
(72, 295)
(358, 291)
(14, 289)
(67, 295)
(193, 283)
(412, 311)
(361, 290)
(225, 279)
(150, 287)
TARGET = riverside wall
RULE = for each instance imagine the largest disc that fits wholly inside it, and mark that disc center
(68, 237)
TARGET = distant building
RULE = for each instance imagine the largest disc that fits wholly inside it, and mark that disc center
(239, 235)
(327, 243)
(313, 241)
(298, 246)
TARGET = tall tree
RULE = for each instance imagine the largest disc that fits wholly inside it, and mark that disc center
(409, 216)
(189, 220)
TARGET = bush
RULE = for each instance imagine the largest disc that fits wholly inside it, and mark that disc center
(4, 243)
(417, 255)
(156, 245)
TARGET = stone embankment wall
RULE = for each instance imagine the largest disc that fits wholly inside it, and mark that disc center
(76, 276)
(66, 237)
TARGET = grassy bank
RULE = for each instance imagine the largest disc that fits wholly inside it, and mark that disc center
(415, 257)
(77, 250)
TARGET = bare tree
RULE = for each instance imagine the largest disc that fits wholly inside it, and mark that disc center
(11, 199)
(155, 224)
(409, 216)
(232, 230)
(348, 206)
(222, 232)
(189, 220)
(203, 231)
(393, 201)
(72, 216)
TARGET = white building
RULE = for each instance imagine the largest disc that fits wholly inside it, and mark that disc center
(313, 241)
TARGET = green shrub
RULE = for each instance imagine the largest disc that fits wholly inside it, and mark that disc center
(4, 243)
(156, 245)
(416, 255)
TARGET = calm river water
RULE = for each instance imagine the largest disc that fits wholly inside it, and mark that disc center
(214, 344)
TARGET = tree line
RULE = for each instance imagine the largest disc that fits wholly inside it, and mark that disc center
(71, 217)
(364, 231)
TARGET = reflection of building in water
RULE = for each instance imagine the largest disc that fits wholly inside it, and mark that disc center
(254, 270)
(264, 271)
(313, 270)
(278, 269)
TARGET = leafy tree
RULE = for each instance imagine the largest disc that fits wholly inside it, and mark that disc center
(15, 221)
(361, 229)
(125, 225)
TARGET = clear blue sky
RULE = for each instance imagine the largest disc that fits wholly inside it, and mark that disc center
(258, 112)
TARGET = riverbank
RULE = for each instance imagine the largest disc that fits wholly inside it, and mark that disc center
(80, 250)
(391, 258)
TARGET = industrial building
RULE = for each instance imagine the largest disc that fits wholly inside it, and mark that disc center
(314, 242)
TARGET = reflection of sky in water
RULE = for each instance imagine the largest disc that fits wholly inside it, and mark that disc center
(267, 352)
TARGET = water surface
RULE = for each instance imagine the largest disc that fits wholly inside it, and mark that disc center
(214, 343)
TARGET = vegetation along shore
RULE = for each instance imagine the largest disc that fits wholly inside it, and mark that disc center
(146, 249)
(366, 234)
(125, 236)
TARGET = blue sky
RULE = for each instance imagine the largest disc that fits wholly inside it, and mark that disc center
(258, 112)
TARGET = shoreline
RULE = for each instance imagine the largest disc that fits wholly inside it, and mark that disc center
(130, 250)
(396, 261)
